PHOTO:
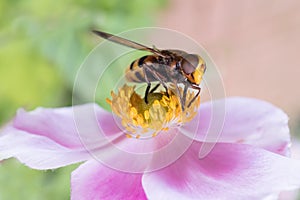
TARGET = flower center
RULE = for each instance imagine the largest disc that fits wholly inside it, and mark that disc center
(144, 120)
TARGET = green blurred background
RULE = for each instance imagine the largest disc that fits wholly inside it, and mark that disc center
(43, 43)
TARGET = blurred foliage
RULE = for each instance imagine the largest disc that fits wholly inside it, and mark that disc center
(26, 79)
(42, 44)
(26, 183)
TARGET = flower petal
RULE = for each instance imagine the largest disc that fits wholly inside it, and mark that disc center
(61, 124)
(49, 138)
(137, 155)
(37, 152)
(229, 171)
(55, 124)
(93, 180)
(246, 120)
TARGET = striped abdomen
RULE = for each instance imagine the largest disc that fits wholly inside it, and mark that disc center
(149, 64)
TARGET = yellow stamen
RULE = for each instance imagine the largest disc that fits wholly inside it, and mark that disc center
(142, 120)
(146, 114)
(133, 112)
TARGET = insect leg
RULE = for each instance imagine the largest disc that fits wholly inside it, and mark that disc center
(180, 97)
(194, 98)
(156, 75)
(153, 89)
(166, 88)
(184, 95)
(161, 82)
(148, 86)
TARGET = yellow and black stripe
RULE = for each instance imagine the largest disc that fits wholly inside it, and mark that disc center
(135, 72)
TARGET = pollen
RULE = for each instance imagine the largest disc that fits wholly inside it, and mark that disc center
(142, 120)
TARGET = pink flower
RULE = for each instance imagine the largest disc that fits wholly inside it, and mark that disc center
(248, 161)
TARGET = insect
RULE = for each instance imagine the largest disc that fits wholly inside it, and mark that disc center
(163, 66)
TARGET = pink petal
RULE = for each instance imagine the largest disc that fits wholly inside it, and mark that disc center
(55, 124)
(93, 180)
(248, 121)
(36, 151)
(62, 125)
(229, 171)
(137, 155)
(50, 138)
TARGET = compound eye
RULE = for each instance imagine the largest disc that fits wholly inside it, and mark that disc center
(189, 63)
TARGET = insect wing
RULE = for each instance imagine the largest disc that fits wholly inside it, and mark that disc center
(126, 42)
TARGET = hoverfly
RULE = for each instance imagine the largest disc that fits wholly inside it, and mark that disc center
(163, 66)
